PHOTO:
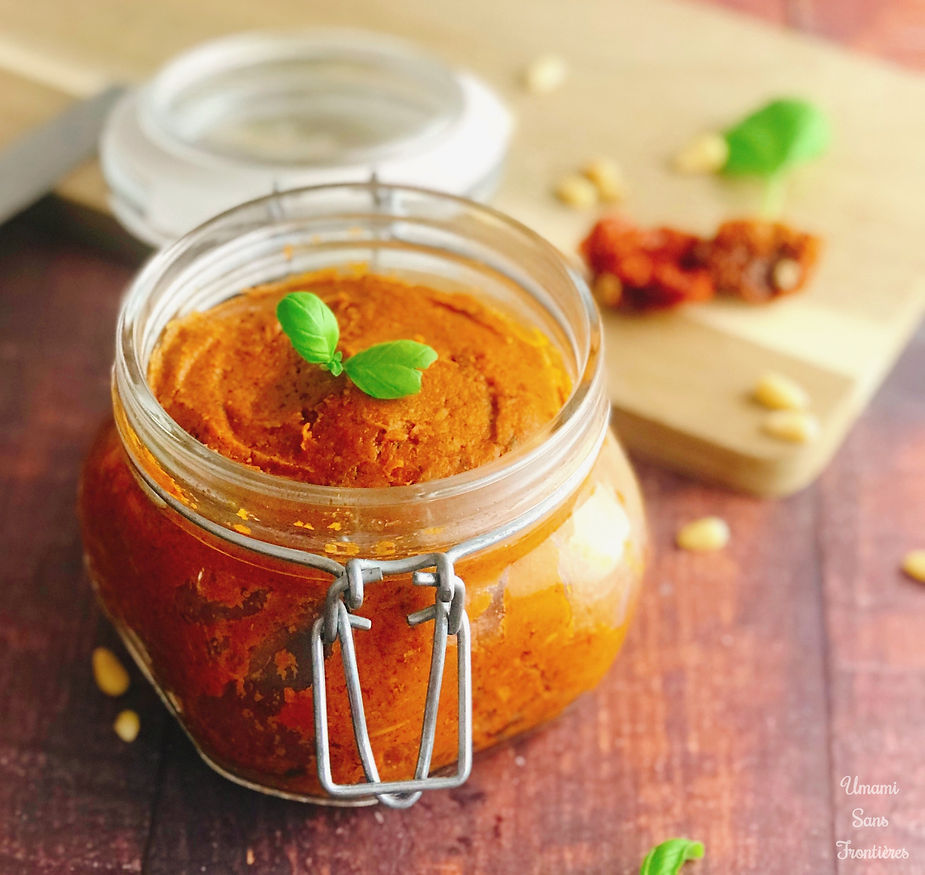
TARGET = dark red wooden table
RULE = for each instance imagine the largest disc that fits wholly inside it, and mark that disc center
(753, 680)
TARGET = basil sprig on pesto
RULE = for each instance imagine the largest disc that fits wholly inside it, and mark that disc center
(311, 326)
(385, 370)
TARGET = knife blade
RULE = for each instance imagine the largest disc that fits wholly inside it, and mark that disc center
(31, 165)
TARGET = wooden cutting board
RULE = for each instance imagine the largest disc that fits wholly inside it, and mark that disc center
(645, 76)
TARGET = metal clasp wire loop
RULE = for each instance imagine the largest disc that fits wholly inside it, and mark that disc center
(348, 587)
(449, 617)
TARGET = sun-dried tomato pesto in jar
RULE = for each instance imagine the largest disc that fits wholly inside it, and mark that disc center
(247, 507)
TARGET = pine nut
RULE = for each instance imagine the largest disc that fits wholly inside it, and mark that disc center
(607, 178)
(778, 392)
(607, 289)
(545, 74)
(127, 725)
(706, 153)
(703, 535)
(796, 426)
(914, 565)
(576, 191)
(786, 274)
(110, 675)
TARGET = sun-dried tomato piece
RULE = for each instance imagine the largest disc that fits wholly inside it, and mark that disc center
(656, 268)
(646, 269)
(758, 260)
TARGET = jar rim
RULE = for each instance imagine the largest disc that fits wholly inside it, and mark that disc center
(139, 403)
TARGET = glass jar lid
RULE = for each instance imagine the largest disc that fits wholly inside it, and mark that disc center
(250, 114)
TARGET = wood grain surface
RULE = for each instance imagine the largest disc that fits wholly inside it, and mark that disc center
(752, 682)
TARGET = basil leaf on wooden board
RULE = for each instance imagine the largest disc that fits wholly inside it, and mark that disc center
(668, 857)
(391, 369)
(311, 326)
(776, 137)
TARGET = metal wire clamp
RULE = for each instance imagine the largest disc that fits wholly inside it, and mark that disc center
(448, 614)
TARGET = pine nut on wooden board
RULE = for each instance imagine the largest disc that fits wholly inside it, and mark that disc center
(794, 426)
(607, 177)
(575, 190)
(779, 392)
(705, 153)
(545, 74)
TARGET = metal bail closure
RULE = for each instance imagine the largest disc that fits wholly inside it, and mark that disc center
(448, 614)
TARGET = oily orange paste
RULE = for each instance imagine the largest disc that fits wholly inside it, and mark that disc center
(233, 380)
(224, 631)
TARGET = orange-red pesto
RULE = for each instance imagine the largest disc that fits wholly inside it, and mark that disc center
(224, 630)
(232, 379)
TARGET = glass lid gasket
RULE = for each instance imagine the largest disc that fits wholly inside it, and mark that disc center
(319, 99)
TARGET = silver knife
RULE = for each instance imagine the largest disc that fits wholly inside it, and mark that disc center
(31, 165)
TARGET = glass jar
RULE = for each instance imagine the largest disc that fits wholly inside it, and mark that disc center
(241, 594)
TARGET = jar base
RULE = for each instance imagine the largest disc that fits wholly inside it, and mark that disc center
(138, 653)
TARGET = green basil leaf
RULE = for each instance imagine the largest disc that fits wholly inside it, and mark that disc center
(336, 365)
(668, 857)
(390, 370)
(312, 328)
(778, 136)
